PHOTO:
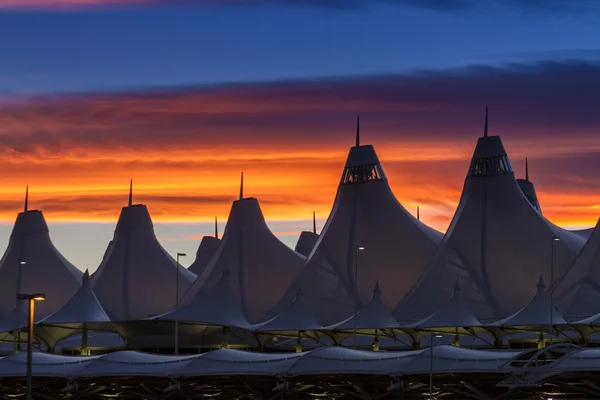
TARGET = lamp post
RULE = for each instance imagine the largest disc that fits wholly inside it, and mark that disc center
(177, 302)
(358, 248)
(554, 239)
(31, 298)
(431, 340)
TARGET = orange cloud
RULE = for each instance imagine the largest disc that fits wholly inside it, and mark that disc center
(186, 148)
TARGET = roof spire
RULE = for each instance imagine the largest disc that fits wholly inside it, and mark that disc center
(357, 131)
(418, 213)
(216, 229)
(526, 170)
(242, 187)
(540, 284)
(26, 208)
(485, 130)
(130, 193)
(314, 223)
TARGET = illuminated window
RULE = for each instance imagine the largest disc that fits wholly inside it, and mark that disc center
(490, 166)
(362, 174)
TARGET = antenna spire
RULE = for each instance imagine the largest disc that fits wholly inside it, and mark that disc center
(418, 213)
(26, 208)
(526, 170)
(130, 193)
(242, 187)
(314, 223)
(357, 131)
(216, 229)
(485, 130)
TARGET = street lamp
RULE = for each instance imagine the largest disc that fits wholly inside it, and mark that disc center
(31, 298)
(554, 239)
(358, 248)
(431, 340)
(177, 302)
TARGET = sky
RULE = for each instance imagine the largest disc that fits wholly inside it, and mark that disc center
(182, 96)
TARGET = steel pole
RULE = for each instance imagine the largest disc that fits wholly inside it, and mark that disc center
(29, 395)
(552, 290)
(177, 306)
(431, 366)
(356, 293)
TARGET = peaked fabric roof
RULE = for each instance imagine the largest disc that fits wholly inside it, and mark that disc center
(261, 266)
(528, 189)
(17, 318)
(206, 251)
(306, 243)
(216, 306)
(137, 277)
(31, 264)
(297, 317)
(83, 311)
(535, 313)
(456, 313)
(578, 292)
(365, 214)
(495, 236)
(374, 315)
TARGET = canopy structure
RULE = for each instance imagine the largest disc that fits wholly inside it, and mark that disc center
(206, 251)
(528, 189)
(454, 317)
(578, 292)
(262, 267)
(16, 319)
(368, 237)
(82, 313)
(31, 264)
(297, 317)
(307, 240)
(497, 244)
(539, 312)
(138, 278)
(373, 316)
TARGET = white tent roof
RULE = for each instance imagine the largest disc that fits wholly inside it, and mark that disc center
(262, 267)
(455, 313)
(83, 307)
(497, 243)
(578, 292)
(528, 189)
(215, 306)
(323, 361)
(137, 277)
(45, 270)
(15, 319)
(206, 251)
(306, 242)
(374, 315)
(535, 313)
(365, 214)
(296, 317)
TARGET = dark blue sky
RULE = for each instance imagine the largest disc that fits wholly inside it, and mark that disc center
(110, 49)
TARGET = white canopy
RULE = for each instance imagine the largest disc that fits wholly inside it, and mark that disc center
(456, 313)
(217, 306)
(262, 267)
(497, 243)
(365, 214)
(536, 313)
(137, 277)
(31, 264)
(82, 312)
(326, 360)
(578, 292)
(297, 317)
(206, 251)
(306, 242)
(374, 315)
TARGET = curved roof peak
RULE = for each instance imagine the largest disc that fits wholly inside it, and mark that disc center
(457, 289)
(541, 287)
